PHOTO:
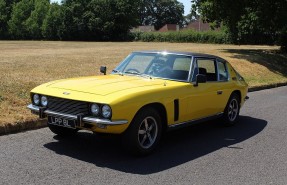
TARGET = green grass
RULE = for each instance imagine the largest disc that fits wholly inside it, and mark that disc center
(26, 64)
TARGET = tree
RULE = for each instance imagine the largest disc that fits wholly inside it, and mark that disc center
(161, 12)
(34, 23)
(250, 22)
(5, 13)
(20, 13)
(262, 21)
(3, 18)
(99, 19)
(72, 16)
(193, 15)
(53, 27)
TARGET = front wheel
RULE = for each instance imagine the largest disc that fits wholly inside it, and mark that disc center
(144, 133)
(231, 112)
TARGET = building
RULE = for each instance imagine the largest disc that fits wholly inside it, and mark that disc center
(169, 27)
(143, 29)
(199, 25)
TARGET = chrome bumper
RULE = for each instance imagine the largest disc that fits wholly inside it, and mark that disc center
(42, 112)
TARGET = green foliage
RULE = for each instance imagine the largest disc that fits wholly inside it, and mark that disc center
(99, 19)
(5, 13)
(216, 37)
(34, 23)
(3, 17)
(283, 40)
(53, 27)
(72, 20)
(20, 13)
(248, 22)
(161, 12)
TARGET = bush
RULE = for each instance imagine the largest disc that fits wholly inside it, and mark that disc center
(283, 40)
(215, 37)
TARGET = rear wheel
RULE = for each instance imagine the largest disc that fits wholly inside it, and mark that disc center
(62, 131)
(144, 133)
(231, 112)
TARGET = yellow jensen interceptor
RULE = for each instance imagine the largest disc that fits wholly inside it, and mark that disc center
(148, 93)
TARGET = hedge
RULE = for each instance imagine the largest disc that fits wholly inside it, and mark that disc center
(215, 37)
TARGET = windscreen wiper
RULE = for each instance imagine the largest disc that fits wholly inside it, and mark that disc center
(132, 72)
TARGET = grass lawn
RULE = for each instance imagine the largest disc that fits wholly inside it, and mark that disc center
(26, 64)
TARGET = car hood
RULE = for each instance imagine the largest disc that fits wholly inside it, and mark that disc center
(104, 85)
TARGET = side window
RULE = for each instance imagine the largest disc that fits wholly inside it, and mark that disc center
(222, 70)
(205, 67)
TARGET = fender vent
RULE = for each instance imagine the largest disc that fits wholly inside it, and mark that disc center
(176, 109)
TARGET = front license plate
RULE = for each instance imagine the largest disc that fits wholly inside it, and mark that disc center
(62, 122)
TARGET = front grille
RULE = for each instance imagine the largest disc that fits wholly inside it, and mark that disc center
(68, 106)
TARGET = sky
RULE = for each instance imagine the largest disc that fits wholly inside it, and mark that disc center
(186, 3)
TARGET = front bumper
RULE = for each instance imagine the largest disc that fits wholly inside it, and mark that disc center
(81, 119)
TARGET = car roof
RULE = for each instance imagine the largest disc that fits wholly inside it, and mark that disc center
(179, 53)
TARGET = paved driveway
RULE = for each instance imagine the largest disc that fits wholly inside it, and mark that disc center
(252, 152)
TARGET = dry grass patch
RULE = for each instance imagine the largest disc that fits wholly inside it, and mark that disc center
(26, 64)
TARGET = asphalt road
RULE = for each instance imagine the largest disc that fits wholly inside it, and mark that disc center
(252, 152)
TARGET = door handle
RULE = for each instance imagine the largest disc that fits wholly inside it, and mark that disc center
(219, 92)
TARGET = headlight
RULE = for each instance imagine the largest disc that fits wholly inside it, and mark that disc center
(106, 111)
(44, 101)
(36, 99)
(95, 109)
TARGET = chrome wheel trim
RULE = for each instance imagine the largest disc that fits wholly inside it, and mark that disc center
(147, 132)
(233, 109)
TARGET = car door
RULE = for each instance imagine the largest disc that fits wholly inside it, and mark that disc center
(205, 98)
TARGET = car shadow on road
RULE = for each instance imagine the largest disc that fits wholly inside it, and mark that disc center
(177, 147)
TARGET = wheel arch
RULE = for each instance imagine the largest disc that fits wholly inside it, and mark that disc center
(160, 108)
(239, 94)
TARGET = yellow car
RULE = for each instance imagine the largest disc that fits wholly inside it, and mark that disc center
(148, 93)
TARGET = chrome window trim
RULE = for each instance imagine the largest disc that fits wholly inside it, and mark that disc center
(191, 70)
(217, 71)
(210, 58)
(226, 68)
(163, 52)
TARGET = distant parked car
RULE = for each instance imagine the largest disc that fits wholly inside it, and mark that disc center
(148, 93)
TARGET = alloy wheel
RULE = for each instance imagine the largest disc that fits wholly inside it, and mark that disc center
(233, 109)
(147, 132)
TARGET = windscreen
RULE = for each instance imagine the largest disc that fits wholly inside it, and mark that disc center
(159, 65)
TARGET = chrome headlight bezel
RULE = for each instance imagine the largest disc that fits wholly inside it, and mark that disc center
(95, 109)
(44, 101)
(106, 111)
(36, 99)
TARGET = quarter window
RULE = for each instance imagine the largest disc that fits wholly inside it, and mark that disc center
(222, 70)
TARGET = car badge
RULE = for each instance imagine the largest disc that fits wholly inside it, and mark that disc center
(66, 93)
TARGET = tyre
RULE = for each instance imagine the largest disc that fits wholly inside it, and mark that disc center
(231, 111)
(144, 132)
(62, 131)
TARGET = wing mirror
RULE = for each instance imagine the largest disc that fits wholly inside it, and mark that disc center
(103, 69)
(200, 78)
